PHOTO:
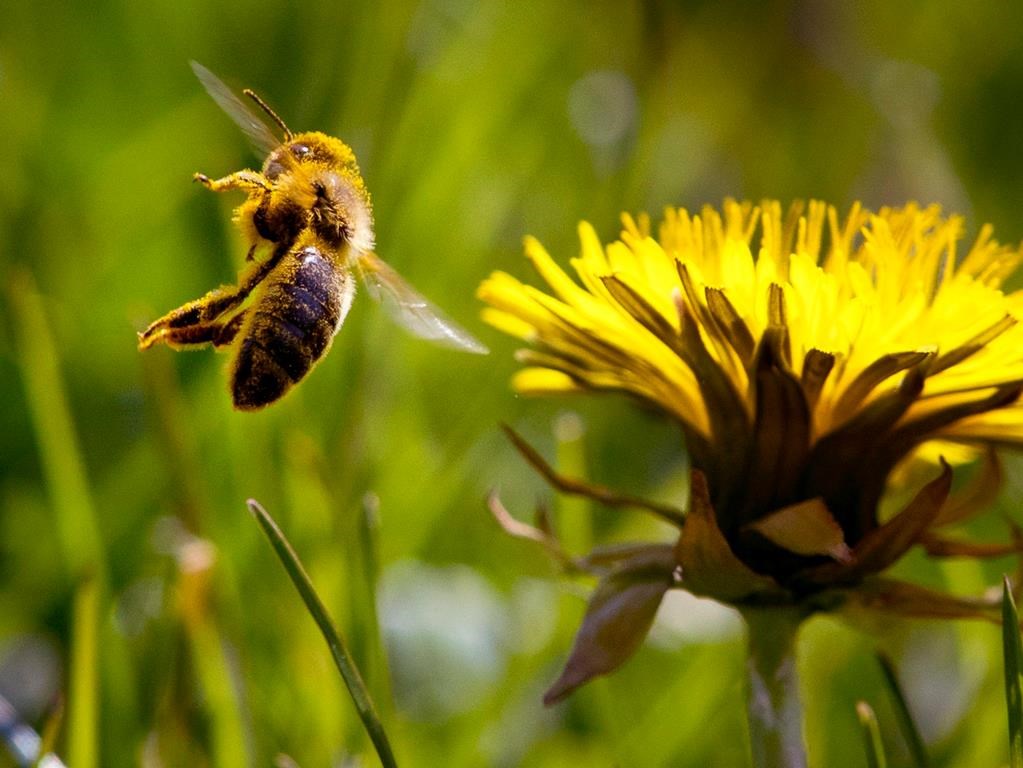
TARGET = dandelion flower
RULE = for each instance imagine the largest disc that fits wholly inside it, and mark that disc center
(817, 367)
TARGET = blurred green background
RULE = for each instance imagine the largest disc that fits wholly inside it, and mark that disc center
(128, 562)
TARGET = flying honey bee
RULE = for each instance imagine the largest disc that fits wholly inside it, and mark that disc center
(309, 225)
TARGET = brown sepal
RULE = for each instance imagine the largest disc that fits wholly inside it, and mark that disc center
(880, 595)
(541, 535)
(617, 620)
(599, 493)
(806, 528)
(939, 546)
(978, 494)
(709, 567)
(873, 375)
(882, 546)
(781, 427)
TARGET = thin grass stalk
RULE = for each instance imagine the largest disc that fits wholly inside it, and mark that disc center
(59, 452)
(335, 641)
(222, 702)
(575, 528)
(1013, 682)
(76, 520)
(48, 739)
(27, 748)
(871, 736)
(83, 699)
(915, 742)
(369, 545)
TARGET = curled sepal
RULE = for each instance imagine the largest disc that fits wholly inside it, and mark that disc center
(617, 619)
(575, 487)
(936, 546)
(709, 567)
(978, 495)
(541, 535)
(864, 605)
(939, 546)
(884, 545)
(601, 560)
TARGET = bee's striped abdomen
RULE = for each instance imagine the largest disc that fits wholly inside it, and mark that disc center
(291, 326)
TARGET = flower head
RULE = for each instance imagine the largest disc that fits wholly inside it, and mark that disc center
(811, 362)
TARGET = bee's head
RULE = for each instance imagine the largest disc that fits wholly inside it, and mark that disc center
(285, 157)
(309, 150)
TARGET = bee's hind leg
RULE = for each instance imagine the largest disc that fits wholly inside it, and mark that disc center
(229, 330)
(188, 323)
(175, 327)
(220, 333)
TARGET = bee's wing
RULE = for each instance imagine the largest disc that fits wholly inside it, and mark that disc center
(411, 309)
(259, 133)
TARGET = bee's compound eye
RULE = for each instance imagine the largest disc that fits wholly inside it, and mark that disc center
(299, 150)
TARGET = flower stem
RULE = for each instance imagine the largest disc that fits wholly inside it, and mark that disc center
(775, 715)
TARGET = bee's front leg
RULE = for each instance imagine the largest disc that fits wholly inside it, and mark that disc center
(249, 181)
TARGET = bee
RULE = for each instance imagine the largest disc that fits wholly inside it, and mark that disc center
(309, 226)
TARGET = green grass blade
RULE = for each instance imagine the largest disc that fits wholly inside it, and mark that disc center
(83, 704)
(575, 527)
(1013, 688)
(338, 648)
(910, 732)
(228, 743)
(871, 735)
(48, 740)
(76, 522)
(26, 748)
(369, 546)
(61, 459)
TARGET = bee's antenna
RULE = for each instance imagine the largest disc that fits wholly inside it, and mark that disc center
(266, 108)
